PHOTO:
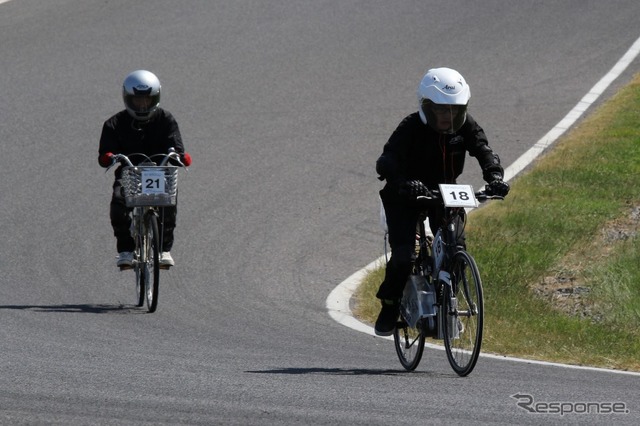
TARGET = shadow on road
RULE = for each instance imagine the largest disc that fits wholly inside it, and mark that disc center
(348, 372)
(77, 308)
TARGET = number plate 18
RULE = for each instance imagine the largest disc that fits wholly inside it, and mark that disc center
(458, 195)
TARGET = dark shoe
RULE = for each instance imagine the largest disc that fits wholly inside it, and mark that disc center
(387, 319)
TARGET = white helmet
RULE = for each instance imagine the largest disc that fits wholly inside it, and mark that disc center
(442, 87)
(141, 94)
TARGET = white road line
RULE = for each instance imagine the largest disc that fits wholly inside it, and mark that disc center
(337, 302)
(577, 111)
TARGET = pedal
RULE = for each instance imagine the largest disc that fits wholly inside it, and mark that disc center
(164, 267)
(125, 267)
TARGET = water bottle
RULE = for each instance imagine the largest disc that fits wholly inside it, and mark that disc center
(427, 299)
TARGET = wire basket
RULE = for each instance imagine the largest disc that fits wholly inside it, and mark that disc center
(150, 186)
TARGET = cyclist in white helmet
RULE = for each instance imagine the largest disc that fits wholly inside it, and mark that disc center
(142, 127)
(427, 148)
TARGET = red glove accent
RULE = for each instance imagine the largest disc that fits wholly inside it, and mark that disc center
(186, 159)
(106, 159)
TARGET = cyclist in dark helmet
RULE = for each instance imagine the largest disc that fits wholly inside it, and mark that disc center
(142, 127)
(427, 148)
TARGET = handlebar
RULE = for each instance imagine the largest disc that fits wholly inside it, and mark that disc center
(124, 159)
(482, 196)
(435, 197)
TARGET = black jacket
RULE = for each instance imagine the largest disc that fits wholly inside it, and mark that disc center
(121, 134)
(417, 152)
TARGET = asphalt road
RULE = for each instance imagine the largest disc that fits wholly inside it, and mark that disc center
(285, 107)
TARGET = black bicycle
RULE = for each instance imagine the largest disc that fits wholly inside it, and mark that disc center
(147, 188)
(443, 297)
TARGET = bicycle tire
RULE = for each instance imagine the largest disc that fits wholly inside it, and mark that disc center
(152, 264)
(139, 269)
(463, 323)
(409, 343)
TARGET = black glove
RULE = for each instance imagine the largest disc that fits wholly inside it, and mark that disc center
(412, 189)
(497, 187)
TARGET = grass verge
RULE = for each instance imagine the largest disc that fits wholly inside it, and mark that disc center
(559, 257)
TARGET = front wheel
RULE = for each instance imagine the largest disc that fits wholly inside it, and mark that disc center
(152, 265)
(463, 314)
(409, 342)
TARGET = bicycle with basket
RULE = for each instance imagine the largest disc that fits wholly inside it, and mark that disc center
(147, 188)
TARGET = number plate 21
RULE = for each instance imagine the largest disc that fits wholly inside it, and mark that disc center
(152, 182)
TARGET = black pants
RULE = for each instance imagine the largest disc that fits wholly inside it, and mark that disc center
(120, 216)
(402, 223)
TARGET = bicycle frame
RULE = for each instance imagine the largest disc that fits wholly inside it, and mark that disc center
(139, 220)
(446, 242)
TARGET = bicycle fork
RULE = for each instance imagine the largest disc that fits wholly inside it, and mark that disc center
(451, 313)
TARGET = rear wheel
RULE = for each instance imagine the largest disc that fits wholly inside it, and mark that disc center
(152, 265)
(463, 312)
(409, 342)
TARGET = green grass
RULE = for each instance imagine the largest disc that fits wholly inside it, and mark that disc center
(554, 224)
